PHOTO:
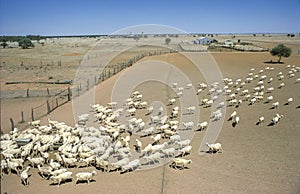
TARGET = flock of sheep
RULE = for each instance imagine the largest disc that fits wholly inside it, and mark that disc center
(126, 146)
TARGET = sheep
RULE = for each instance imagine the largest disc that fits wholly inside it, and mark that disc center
(281, 85)
(189, 86)
(13, 166)
(233, 102)
(45, 172)
(270, 89)
(180, 162)
(290, 100)
(184, 143)
(172, 123)
(149, 110)
(179, 94)
(172, 101)
(174, 138)
(36, 161)
(153, 158)
(260, 120)
(138, 145)
(160, 110)
(85, 176)
(202, 126)
(61, 177)
(217, 115)
(35, 123)
(235, 121)
(252, 101)
(174, 114)
(170, 152)
(131, 111)
(185, 150)
(24, 176)
(69, 161)
(132, 165)
(221, 105)
(174, 85)
(276, 119)
(188, 125)
(275, 105)
(117, 165)
(148, 131)
(147, 149)
(156, 148)
(269, 99)
(199, 91)
(154, 119)
(156, 138)
(233, 115)
(216, 147)
(168, 133)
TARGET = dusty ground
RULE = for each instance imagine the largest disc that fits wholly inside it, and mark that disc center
(256, 159)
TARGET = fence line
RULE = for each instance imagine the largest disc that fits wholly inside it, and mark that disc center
(66, 95)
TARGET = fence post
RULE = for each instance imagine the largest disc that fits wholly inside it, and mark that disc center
(69, 94)
(22, 117)
(27, 92)
(78, 90)
(48, 107)
(12, 124)
(32, 116)
(80, 86)
(95, 80)
(56, 99)
(87, 84)
(48, 92)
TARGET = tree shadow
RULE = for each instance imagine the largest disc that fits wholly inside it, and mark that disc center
(273, 62)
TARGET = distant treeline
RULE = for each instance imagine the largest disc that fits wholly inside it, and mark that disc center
(38, 37)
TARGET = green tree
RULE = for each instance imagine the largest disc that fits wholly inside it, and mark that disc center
(25, 43)
(3, 43)
(281, 51)
(167, 40)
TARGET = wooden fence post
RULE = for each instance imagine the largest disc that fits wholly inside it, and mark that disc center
(27, 93)
(12, 124)
(78, 90)
(87, 84)
(32, 116)
(95, 80)
(48, 92)
(56, 99)
(48, 107)
(22, 117)
(69, 93)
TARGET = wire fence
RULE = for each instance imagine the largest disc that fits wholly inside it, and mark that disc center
(64, 96)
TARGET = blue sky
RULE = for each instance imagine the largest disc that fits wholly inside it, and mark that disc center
(78, 17)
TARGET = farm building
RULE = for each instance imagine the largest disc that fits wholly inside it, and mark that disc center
(228, 43)
(203, 40)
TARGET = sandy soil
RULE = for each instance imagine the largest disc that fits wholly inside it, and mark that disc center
(256, 159)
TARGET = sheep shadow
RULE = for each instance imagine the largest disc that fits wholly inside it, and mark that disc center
(62, 182)
(272, 108)
(257, 123)
(209, 152)
(298, 107)
(286, 104)
(181, 168)
(273, 62)
(234, 124)
(83, 181)
(270, 124)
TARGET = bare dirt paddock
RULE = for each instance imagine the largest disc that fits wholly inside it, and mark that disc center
(256, 159)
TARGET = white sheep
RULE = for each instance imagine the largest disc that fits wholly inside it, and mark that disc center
(269, 99)
(24, 176)
(132, 165)
(236, 121)
(85, 176)
(150, 110)
(61, 177)
(180, 162)
(202, 126)
(275, 105)
(185, 150)
(174, 84)
(174, 114)
(188, 125)
(138, 145)
(45, 171)
(281, 85)
(276, 119)
(260, 120)
(289, 101)
(215, 147)
(156, 138)
(233, 115)
(170, 152)
(36, 161)
(117, 165)
(172, 101)
(184, 143)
